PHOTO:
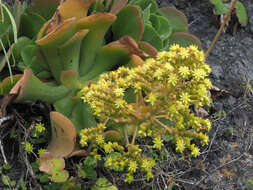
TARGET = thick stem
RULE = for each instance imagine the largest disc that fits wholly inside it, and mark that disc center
(126, 136)
(225, 20)
(135, 134)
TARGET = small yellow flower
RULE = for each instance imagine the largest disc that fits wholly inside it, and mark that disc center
(147, 164)
(184, 53)
(173, 79)
(184, 71)
(194, 151)
(161, 55)
(41, 151)
(149, 175)
(100, 139)
(119, 92)
(169, 67)
(199, 74)
(204, 139)
(120, 103)
(101, 126)
(129, 178)
(208, 83)
(151, 98)
(180, 145)
(132, 166)
(174, 47)
(39, 127)
(108, 147)
(158, 74)
(193, 48)
(28, 147)
(185, 98)
(158, 143)
(109, 162)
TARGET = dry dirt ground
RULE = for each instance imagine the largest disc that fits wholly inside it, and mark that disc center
(227, 163)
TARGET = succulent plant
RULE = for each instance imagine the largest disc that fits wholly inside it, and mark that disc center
(71, 44)
(70, 50)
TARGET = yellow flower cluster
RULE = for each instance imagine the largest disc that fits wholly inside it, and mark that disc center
(164, 89)
(117, 157)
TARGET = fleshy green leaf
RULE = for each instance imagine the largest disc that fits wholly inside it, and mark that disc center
(74, 8)
(63, 136)
(134, 27)
(177, 20)
(151, 36)
(184, 39)
(31, 88)
(97, 24)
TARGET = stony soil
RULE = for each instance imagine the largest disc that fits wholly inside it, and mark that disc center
(227, 163)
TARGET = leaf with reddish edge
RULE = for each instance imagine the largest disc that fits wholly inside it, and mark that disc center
(134, 28)
(58, 36)
(135, 61)
(30, 88)
(74, 8)
(148, 48)
(177, 19)
(78, 152)
(69, 52)
(63, 136)
(131, 45)
(117, 6)
(184, 40)
(49, 46)
(53, 166)
(70, 80)
(45, 8)
(112, 135)
(43, 30)
(97, 24)
(45, 162)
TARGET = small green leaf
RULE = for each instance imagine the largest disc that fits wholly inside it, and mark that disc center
(146, 15)
(44, 178)
(103, 184)
(146, 3)
(89, 162)
(220, 7)
(7, 166)
(151, 36)
(241, 13)
(59, 176)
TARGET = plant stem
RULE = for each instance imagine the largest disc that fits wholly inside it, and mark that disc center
(170, 130)
(225, 20)
(126, 136)
(135, 134)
